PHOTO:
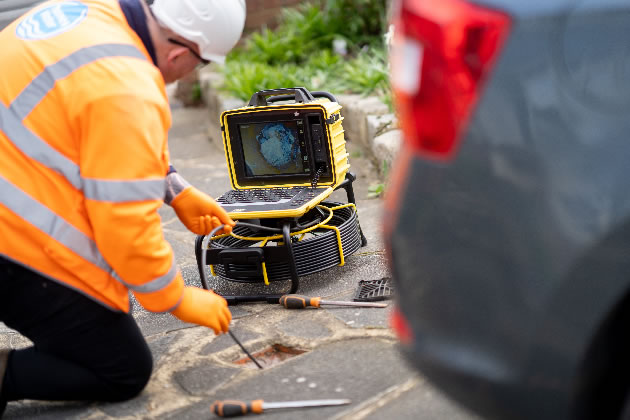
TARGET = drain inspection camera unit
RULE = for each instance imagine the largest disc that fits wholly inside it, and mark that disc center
(286, 154)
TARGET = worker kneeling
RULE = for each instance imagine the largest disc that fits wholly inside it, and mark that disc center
(84, 168)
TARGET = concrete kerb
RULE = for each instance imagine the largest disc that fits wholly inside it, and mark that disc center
(368, 122)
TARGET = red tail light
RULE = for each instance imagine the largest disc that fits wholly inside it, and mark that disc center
(400, 325)
(442, 50)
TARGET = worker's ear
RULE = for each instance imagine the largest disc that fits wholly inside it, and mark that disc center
(175, 53)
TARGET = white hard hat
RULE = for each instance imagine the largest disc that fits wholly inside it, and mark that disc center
(214, 25)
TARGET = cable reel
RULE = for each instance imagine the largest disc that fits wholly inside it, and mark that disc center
(258, 252)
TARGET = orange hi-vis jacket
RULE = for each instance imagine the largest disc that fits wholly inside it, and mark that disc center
(84, 118)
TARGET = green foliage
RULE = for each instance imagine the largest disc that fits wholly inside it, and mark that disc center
(299, 51)
(312, 27)
(355, 154)
(385, 169)
(368, 72)
(196, 93)
(376, 190)
(359, 21)
(242, 79)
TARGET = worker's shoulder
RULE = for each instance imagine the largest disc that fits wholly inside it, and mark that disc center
(129, 76)
(135, 97)
(128, 72)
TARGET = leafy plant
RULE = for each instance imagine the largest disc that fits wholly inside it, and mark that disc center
(242, 78)
(376, 190)
(360, 21)
(367, 73)
(299, 52)
(196, 93)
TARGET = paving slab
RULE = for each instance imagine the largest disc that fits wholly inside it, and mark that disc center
(435, 406)
(45, 410)
(358, 317)
(354, 369)
(305, 328)
(139, 407)
(204, 377)
(225, 341)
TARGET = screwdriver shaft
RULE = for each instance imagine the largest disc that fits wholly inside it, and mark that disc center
(204, 283)
(346, 303)
(300, 404)
(234, 408)
(300, 302)
(244, 349)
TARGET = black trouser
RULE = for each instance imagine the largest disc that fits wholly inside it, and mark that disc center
(82, 351)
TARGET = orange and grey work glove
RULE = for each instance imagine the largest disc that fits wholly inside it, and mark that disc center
(204, 307)
(197, 210)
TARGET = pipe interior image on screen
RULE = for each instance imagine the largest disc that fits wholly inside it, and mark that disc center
(272, 148)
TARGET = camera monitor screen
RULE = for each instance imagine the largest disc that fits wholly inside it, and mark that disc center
(273, 148)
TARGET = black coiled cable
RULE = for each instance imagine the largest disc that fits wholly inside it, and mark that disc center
(316, 253)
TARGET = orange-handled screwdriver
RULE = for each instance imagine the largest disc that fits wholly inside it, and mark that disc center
(232, 408)
(301, 302)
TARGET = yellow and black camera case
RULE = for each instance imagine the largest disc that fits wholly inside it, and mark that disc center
(321, 160)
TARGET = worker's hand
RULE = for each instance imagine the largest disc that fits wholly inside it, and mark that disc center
(204, 307)
(200, 213)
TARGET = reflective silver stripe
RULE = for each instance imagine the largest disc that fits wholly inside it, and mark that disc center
(175, 184)
(157, 283)
(32, 94)
(124, 191)
(52, 224)
(37, 149)
(55, 226)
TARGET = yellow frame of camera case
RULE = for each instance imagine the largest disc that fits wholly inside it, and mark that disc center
(336, 149)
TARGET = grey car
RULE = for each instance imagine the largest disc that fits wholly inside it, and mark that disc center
(508, 209)
(12, 9)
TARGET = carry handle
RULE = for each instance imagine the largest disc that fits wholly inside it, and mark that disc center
(299, 94)
(316, 94)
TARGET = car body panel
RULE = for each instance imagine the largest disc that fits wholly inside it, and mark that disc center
(511, 256)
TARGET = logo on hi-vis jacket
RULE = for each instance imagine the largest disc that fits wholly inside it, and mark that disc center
(51, 20)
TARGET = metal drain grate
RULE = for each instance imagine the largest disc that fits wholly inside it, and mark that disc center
(371, 290)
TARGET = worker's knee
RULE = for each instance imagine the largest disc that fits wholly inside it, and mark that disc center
(130, 383)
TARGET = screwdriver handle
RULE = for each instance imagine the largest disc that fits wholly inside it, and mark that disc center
(299, 301)
(234, 408)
